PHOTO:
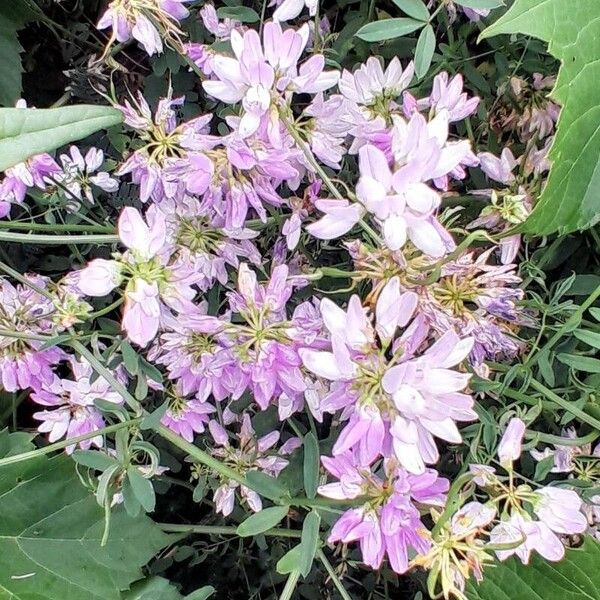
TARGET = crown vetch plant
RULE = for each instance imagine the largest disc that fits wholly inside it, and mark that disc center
(295, 287)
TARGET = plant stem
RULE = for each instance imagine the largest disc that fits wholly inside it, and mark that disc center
(218, 530)
(568, 406)
(333, 575)
(22, 279)
(32, 238)
(290, 585)
(557, 440)
(55, 227)
(10, 460)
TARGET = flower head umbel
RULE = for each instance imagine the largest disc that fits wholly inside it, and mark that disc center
(247, 453)
(388, 523)
(24, 361)
(265, 73)
(395, 402)
(147, 21)
(70, 404)
(155, 285)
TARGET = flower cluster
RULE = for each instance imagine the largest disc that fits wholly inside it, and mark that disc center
(213, 274)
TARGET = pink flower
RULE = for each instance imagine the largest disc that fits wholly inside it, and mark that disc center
(499, 169)
(510, 446)
(448, 95)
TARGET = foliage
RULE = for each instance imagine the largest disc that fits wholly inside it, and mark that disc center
(52, 530)
(570, 199)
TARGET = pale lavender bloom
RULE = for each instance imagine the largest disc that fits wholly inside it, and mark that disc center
(499, 169)
(155, 284)
(328, 128)
(202, 55)
(185, 415)
(475, 14)
(480, 299)
(169, 149)
(448, 95)
(564, 456)
(220, 29)
(389, 522)
(510, 446)
(261, 70)
(560, 509)
(391, 410)
(483, 475)
(471, 517)
(80, 174)
(129, 19)
(289, 9)
(248, 454)
(34, 172)
(71, 410)
(537, 161)
(23, 362)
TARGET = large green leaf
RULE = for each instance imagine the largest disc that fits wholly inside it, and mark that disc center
(571, 199)
(158, 588)
(576, 577)
(25, 132)
(50, 535)
(13, 16)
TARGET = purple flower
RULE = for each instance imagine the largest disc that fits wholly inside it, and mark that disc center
(23, 362)
(510, 446)
(186, 416)
(289, 9)
(248, 454)
(388, 523)
(261, 71)
(449, 96)
(131, 19)
(155, 284)
(71, 409)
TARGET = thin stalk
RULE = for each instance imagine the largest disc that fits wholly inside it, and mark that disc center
(218, 530)
(32, 238)
(557, 440)
(333, 575)
(568, 406)
(55, 227)
(290, 585)
(24, 336)
(570, 322)
(106, 309)
(22, 279)
(17, 458)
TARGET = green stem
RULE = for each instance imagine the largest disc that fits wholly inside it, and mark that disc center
(22, 279)
(32, 238)
(106, 309)
(17, 458)
(201, 456)
(557, 440)
(566, 326)
(568, 406)
(24, 336)
(218, 530)
(290, 585)
(333, 575)
(54, 227)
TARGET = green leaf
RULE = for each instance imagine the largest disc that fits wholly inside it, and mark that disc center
(424, 51)
(580, 363)
(142, 488)
(289, 561)
(576, 577)
(239, 13)
(591, 338)
(543, 467)
(261, 521)
(152, 420)
(388, 29)
(570, 200)
(201, 594)
(595, 312)
(266, 485)
(309, 542)
(13, 16)
(311, 464)
(480, 3)
(130, 358)
(413, 8)
(93, 459)
(25, 131)
(50, 535)
(154, 588)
